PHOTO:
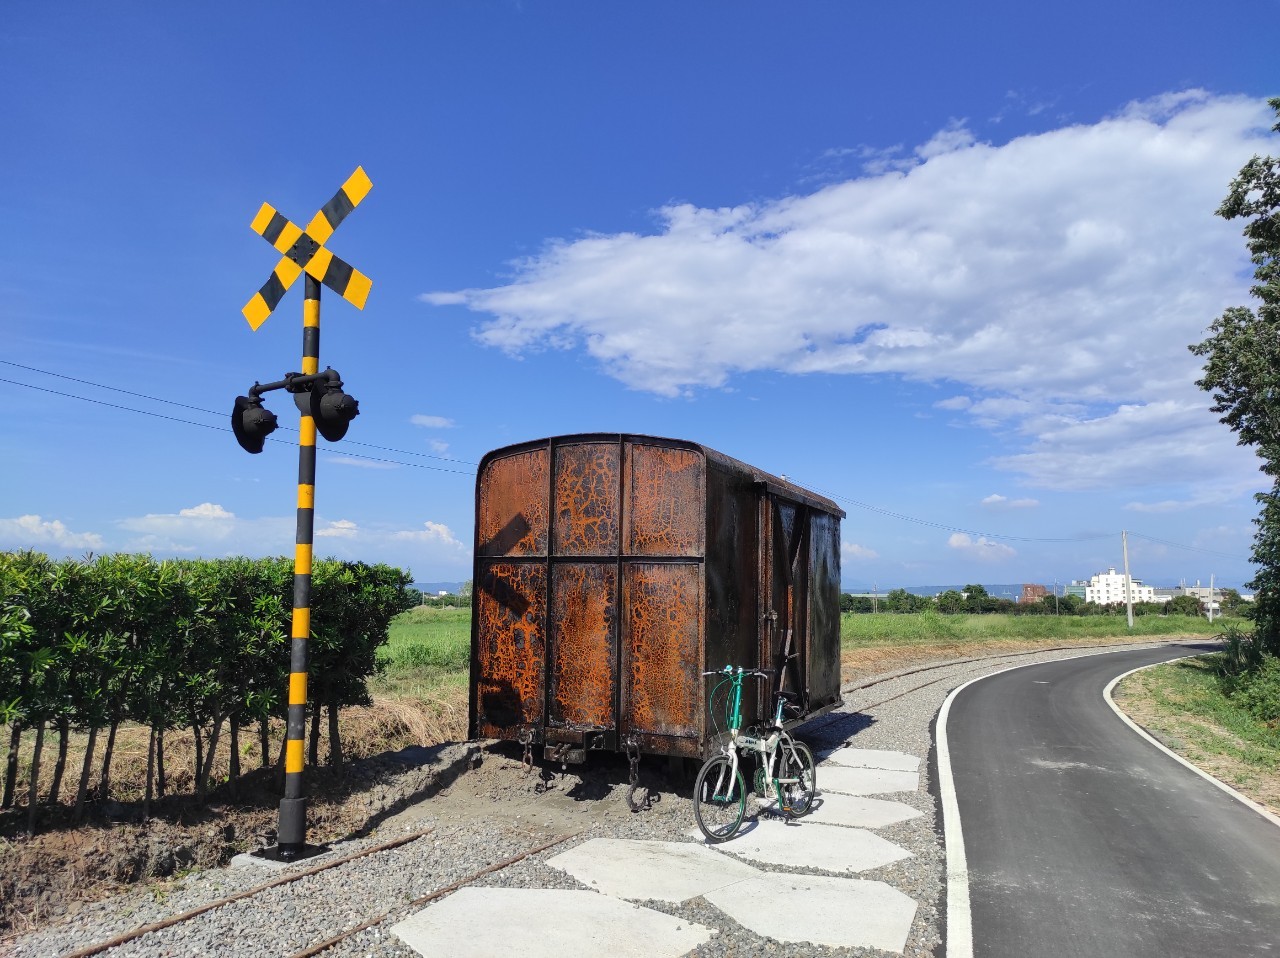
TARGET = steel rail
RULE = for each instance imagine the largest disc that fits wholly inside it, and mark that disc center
(247, 893)
(432, 896)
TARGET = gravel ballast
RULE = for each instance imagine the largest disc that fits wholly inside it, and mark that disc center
(495, 810)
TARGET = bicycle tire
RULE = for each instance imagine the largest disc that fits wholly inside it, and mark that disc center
(797, 763)
(719, 799)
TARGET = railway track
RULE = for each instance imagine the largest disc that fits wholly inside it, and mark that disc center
(327, 943)
(984, 662)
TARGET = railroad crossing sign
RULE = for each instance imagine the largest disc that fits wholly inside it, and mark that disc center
(304, 252)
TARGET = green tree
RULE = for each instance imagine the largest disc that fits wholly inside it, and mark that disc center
(1184, 605)
(1242, 369)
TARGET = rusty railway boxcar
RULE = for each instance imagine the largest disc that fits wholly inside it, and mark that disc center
(612, 570)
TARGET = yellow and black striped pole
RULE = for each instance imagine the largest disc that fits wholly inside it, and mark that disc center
(292, 837)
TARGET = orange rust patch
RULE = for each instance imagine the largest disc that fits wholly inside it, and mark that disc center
(667, 490)
(584, 645)
(510, 647)
(663, 655)
(512, 516)
(587, 499)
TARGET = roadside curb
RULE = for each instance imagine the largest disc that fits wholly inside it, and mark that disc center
(1244, 799)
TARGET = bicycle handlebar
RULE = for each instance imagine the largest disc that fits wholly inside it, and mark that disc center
(730, 670)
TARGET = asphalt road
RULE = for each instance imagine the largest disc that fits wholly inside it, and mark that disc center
(1084, 839)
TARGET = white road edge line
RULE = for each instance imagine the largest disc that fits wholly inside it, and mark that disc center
(1106, 693)
(959, 913)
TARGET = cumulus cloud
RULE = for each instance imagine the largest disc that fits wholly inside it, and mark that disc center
(431, 533)
(980, 548)
(202, 528)
(338, 529)
(855, 552)
(36, 532)
(1057, 278)
(432, 422)
(997, 501)
(207, 510)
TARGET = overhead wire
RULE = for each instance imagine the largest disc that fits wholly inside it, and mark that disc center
(211, 412)
(902, 517)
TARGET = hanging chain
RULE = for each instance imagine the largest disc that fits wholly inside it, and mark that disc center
(525, 738)
(632, 748)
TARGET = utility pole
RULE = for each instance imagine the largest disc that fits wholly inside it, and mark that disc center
(1055, 596)
(1128, 583)
(875, 597)
(1210, 596)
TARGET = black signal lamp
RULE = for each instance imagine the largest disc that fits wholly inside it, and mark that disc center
(331, 408)
(252, 423)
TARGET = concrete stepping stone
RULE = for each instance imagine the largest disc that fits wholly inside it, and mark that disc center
(804, 843)
(546, 923)
(854, 811)
(872, 758)
(837, 912)
(649, 870)
(865, 781)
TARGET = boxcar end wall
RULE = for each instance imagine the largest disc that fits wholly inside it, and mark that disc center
(612, 570)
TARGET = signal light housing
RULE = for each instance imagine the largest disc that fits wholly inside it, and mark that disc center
(252, 423)
(331, 408)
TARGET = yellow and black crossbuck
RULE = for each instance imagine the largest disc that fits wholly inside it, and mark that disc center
(304, 251)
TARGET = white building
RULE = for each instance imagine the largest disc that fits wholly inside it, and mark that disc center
(1107, 588)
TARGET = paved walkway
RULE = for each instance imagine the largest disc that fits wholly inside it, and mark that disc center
(739, 877)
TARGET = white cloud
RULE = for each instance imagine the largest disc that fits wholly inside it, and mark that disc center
(432, 422)
(207, 510)
(339, 529)
(205, 528)
(980, 548)
(999, 502)
(1057, 278)
(431, 533)
(35, 532)
(438, 447)
(854, 552)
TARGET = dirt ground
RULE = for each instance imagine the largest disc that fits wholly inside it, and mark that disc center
(397, 755)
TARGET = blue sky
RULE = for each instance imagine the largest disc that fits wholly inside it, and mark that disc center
(939, 261)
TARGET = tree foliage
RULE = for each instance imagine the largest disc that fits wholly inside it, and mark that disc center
(202, 644)
(1242, 369)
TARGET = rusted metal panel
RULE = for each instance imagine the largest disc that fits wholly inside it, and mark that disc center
(586, 496)
(611, 570)
(511, 505)
(666, 501)
(662, 649)
(584, 645)
(510, 609)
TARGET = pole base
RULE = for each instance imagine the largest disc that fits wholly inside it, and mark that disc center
(291, 837)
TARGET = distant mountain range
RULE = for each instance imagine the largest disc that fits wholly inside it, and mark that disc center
(435, 588)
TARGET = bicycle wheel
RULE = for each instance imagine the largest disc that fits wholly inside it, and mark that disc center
(719, 799)
(801, 778)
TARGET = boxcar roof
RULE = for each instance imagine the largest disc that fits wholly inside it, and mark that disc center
(775, 484)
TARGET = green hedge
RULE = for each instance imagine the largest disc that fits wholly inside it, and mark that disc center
(199, 644)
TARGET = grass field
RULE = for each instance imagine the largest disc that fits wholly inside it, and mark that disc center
(931, 628)
(430, 648)
(1182, 704)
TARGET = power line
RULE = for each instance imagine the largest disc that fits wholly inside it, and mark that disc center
(1178, 545)
(947, 528)
(413, 465)
(211, 412)
(207, 425)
